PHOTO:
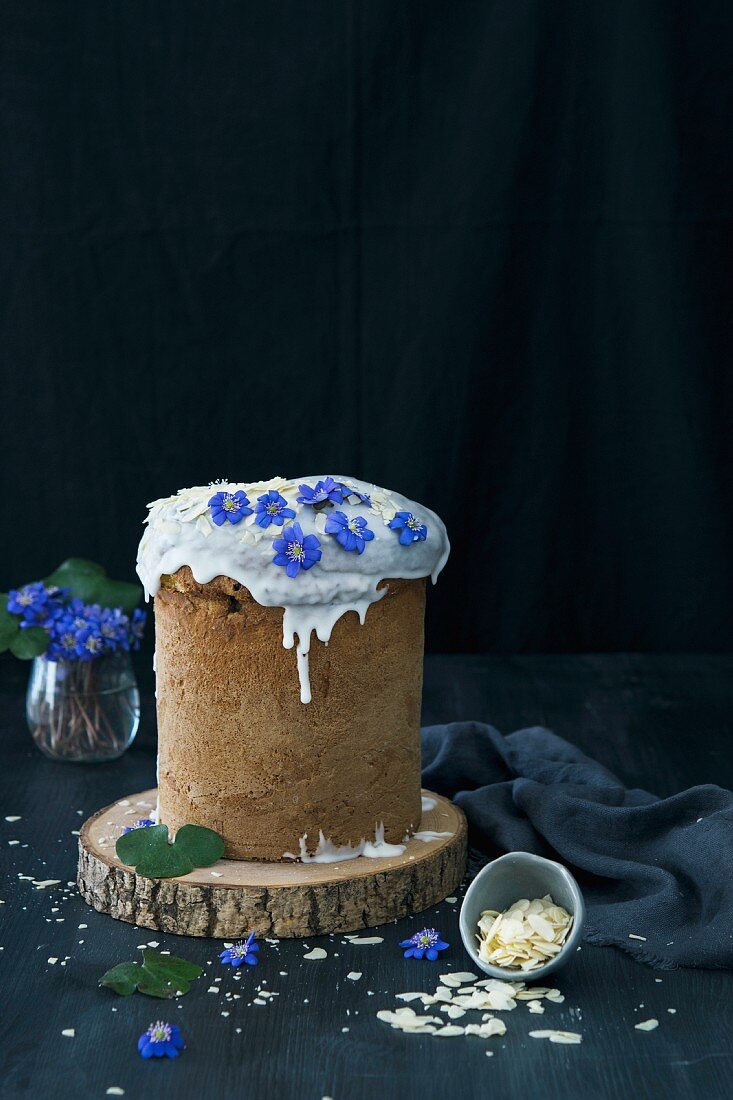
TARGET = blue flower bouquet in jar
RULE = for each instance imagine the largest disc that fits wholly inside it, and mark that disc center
(79, 628)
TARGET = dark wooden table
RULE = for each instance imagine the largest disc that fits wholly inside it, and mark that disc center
(660, 722)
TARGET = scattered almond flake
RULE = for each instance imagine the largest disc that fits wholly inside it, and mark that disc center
(12, 843)
(451, 1029)
(69, 1032)
(53, 960)
(647, 1025)
(12, 817)
(366, 939)
(407, 996)
(459, 978)
(354, 975)
(632, 936)
(153, 943)
(486, 1029)
(213, 989)
(672, 1011)
(451, 900)
(554, 995)
(115, 1090)
(316, 953)
(259, 1001)
(557, 1036)
(453, 1011)
(535, 1007)
(218, 874)
(225, 1013)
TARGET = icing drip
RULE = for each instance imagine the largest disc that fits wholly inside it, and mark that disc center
(327, 852)
(181, 532)
(428, 803)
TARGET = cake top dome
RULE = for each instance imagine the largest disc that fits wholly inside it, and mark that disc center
(315, 546)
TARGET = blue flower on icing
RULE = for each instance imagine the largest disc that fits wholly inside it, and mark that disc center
(229, 506)
(351, 533)
(141, 823)
(424, 944)
(410, 528)
(161, 1040)
(349, 491)
(324, 491)
(241, 953)
(272, 507)
(296, 551)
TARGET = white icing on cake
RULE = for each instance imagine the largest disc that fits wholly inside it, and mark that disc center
(180, 531)
(328, 852)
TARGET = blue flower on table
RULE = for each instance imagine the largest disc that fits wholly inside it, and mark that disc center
(323, 492)
(231, 507)
(296, 551)
(424, 944)
(161, 1040)
(241, 952)
(350, 532)
(141, 823)
(272, 507)
(410, 528)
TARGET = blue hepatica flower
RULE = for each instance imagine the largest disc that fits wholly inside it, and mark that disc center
(410, 528)
(242, 952)
(137, 627)
(272, 507)
(35, 603)
(349, 491)
(324, 491)
(231, 507)
(161, 1040)
(351, 533)
(424, 944)
(141, 823)
(296, 551)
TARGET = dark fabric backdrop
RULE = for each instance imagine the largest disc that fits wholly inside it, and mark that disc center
(479, 252)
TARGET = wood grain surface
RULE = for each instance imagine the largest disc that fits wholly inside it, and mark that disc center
(234, 897)
(663, 723)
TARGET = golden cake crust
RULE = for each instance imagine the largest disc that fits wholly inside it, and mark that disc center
(240, 753)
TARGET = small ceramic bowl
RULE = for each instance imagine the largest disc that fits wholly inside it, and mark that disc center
(506, 880)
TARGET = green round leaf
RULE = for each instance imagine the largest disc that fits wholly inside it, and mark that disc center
(29, 643)
(89, 582)
(9, 627)
(123, 978)
(159, 976)
(150, 853)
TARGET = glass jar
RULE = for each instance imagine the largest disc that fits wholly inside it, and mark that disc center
(84, 711)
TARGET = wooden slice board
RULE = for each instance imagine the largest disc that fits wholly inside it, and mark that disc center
(281, 899)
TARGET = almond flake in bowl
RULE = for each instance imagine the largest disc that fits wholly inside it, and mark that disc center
(502, 936)
(524, 936)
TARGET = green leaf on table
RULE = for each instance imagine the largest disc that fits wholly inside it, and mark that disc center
(9, 626)
(123, 978)
(159, 976)
(89, 582)
(150, 853)
(28, 643)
